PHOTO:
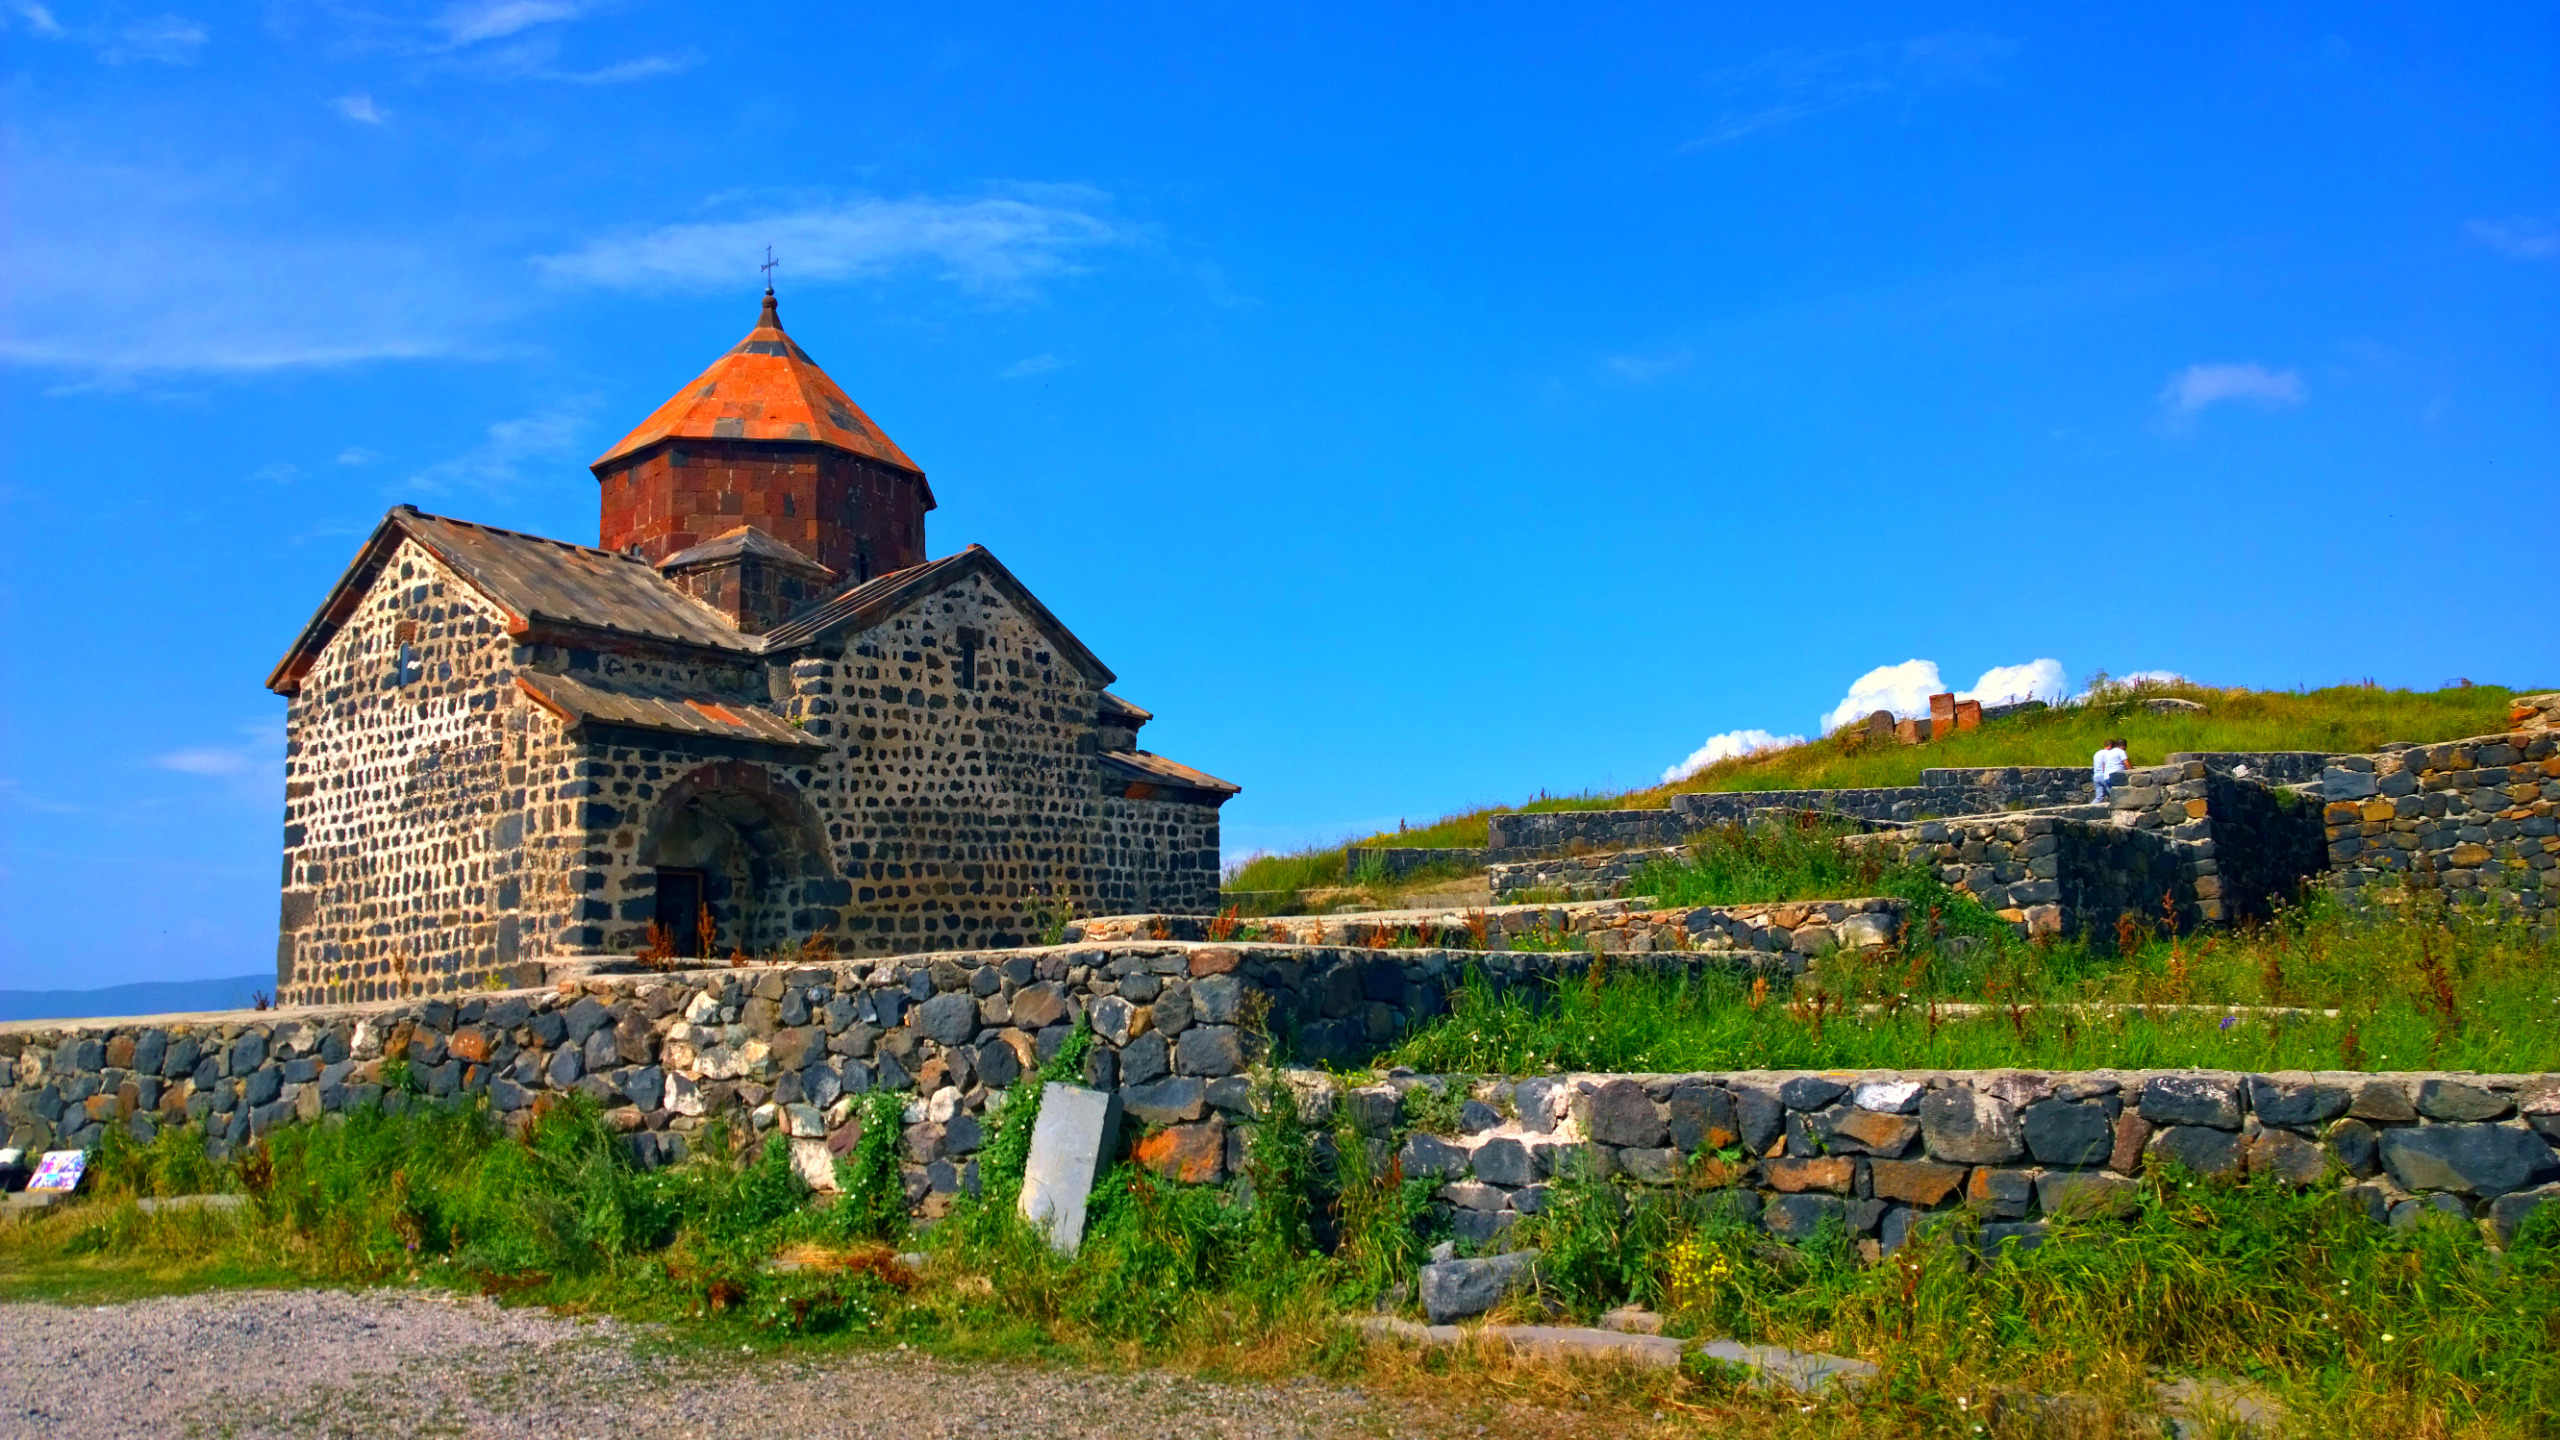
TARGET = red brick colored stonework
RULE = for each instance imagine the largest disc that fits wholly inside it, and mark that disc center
(765, 438)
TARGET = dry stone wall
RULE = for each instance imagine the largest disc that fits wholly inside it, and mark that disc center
(1882, 1154)
(1876, 1154)
(2474, 820)
(1176, 1025)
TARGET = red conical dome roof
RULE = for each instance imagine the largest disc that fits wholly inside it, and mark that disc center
(765, 388)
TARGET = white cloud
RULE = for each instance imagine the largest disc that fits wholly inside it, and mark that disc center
(1784, 86)
(40, 20)
(1903, 689)
(1040, 364)
(1727, 746)
(2525, 239)
(498, 462)
(360, 108)
(993, 244)
(2198, 386)
(2008, 684)
(358, 455)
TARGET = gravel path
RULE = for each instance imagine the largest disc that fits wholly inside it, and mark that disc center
(328, 1363)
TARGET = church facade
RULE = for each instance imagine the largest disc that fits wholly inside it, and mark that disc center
(754, 715)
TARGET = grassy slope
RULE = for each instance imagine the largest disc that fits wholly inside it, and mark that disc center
(2342, 718)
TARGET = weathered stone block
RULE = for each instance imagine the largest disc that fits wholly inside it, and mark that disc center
(1702, 1117)
(2296, 1101)
(2059, 1132)
(1920, 1182)
(2454, 1100)
(1072, 1143)
(1457, 1289)
(2207, 1100)
(1797, 1217)
(2200, 1148)
(2473, 1159)
(1834, 1173)
(1962, 1124)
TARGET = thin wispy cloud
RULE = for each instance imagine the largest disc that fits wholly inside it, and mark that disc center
(1037, 365)
(2197, 388)
(548, 438)
(988, 245)
(165, 40)
(1640, 369)
(120, 271)
(2525, 239)
(250, 768)
(498, 19)
(1783, 87)
(360, 108)
(538, 58)
(160, 39)
(38, 20)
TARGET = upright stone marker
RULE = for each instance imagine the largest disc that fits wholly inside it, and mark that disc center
(1070, 1144)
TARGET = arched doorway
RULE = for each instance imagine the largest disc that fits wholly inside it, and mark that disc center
(730, 842)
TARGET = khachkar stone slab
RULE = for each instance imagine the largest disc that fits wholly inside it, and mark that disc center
(1071, 1145)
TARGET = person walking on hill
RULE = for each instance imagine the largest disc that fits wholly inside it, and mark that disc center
(2105, 766)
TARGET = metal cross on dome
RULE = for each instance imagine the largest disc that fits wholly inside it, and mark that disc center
(767, 268)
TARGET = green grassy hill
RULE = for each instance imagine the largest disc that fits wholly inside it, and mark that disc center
(2341, 718)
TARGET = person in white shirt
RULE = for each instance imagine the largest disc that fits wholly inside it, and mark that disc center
(2105, 766)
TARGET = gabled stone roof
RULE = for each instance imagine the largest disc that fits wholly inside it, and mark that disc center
(580, 702)
(542, 585)
(876, 599)
(553, 588)
(765, 388)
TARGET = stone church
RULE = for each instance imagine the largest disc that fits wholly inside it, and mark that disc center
(753, 715)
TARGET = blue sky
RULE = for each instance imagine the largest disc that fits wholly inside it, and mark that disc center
(1417, 406)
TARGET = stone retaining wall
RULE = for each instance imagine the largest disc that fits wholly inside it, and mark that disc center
(1577, 877)
(2181, 841)
(2476, 818)
(1615, 926)
(1880, 1154)
(1176, 1025)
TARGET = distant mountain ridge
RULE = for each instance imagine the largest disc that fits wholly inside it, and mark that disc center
(147, 997)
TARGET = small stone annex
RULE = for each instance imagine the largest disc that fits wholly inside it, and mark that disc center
(753, 715)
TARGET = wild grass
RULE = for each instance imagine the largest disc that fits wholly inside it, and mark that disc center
(2337, 719)
(1773, 860)
(2413, 986)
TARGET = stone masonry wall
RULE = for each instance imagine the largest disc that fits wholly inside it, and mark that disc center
(942, 816)
(2472, 819)
(1154, 854)
(400, 776)
(1880, 1154)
